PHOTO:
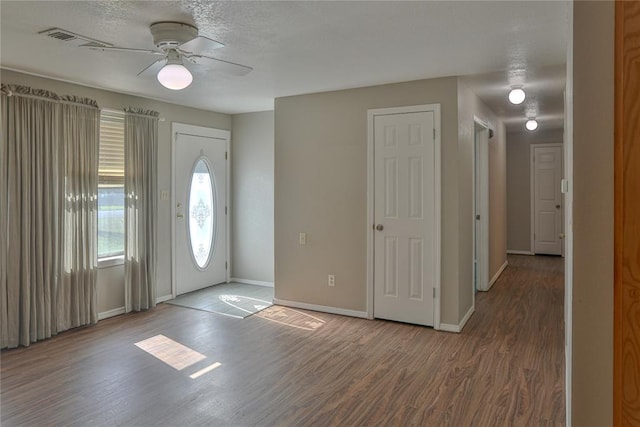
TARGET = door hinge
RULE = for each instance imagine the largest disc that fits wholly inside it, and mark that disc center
(434, 133)
(225, 155)
(226, 264)
(225, 210)
(434, 293)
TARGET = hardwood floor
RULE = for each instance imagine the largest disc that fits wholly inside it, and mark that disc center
(301, 368)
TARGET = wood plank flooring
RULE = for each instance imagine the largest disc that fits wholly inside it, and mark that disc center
(300, 368)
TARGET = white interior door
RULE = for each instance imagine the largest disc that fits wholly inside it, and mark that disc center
(547, 199)
(405, 240)
(481, 208)
(200, 200)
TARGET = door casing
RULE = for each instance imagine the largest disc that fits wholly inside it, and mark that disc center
(435, 108)
(186, 129)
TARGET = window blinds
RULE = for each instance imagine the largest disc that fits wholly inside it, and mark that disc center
(111, 163)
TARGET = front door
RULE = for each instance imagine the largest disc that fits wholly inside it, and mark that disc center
(405, 246)
(200, 200)
(547, 200)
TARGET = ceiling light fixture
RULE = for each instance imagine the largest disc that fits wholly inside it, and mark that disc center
(174, 75)
(516, 96)
(532, 124)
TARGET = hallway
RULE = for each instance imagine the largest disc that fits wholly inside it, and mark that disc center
(294, 367)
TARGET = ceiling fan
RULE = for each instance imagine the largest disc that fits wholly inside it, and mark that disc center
(179, 43)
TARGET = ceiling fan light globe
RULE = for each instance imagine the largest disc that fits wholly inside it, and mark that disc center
(516, 96)
(531, 124)
(175, 76)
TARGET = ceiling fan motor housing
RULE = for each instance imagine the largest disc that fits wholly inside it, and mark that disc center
(169, 35)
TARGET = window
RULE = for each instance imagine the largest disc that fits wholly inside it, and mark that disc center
(111, 187)
(202, 209)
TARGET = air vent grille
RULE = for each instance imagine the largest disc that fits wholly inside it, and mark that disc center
(61, 35)
(76, 39)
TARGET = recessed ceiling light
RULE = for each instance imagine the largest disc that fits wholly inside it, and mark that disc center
(516, 96)
(532, 124)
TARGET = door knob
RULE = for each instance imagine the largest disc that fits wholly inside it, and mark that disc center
(561, 235)
(379, 227)
(557, 206)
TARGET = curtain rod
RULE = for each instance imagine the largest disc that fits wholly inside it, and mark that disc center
(111, 110)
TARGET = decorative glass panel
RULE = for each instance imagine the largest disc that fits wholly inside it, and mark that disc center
(202, 213)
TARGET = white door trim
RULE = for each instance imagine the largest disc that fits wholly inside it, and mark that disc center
(435, 108)
(532, 201)
(567, 159)
(186, 129)
(481, 155)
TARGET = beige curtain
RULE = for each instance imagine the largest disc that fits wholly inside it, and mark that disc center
(140, 186)
(77, 296)
(38, 134)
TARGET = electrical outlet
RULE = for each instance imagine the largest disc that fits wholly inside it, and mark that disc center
(303, 238)
(332, 280)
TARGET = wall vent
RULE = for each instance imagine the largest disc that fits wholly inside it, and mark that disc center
(73, 38)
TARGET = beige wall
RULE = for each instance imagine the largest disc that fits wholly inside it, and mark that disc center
(252, 190)
(592, 361)
(321, 189)
(519, 184)
(497, 200)
(469, 105)
(111, 280)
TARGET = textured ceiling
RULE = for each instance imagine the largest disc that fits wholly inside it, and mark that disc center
(294, 47)
(544, 88)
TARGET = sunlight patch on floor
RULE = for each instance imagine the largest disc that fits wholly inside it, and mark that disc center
(205, 370)
(176, 355)
(170, 352)
(290, 317)
(236, 300)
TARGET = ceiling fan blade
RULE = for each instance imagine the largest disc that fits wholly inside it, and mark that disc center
(200, 44)
(125, 49)
(220, 65)
(154, 67)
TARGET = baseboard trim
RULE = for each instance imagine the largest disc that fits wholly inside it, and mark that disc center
(321, 308)
(164, 298)
(111, 313)
(458, 328)
(497, 275)
(252, 282)
(512, 252)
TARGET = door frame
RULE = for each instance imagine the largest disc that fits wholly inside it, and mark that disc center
(481, 155)
(532, 225)
(371, 114)
(206, 132)
(626, 285)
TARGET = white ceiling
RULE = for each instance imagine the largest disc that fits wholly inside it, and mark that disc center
(544, 88)
(300, 47)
